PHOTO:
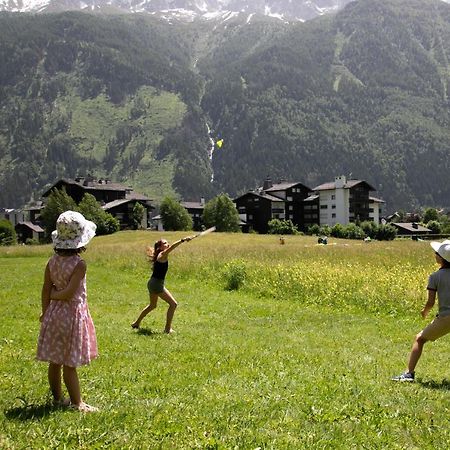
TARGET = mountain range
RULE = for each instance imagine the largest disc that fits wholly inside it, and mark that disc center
(286, 10)
(143, 100)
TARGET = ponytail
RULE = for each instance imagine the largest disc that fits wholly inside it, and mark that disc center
(153, 253)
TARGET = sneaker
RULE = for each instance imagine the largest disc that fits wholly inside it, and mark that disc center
(407, 376)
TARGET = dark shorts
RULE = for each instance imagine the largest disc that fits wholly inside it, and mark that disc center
(155, 286)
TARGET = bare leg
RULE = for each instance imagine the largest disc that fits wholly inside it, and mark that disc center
(168, 297)
(416, 352)
(54, 379)
(73, 385)
(146, 310)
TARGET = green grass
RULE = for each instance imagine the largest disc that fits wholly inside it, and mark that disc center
(300, 356)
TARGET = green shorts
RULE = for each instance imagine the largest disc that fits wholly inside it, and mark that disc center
(155, 285)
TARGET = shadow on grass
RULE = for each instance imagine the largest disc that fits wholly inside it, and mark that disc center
(443, 385)
(147, 332)
(31, 412)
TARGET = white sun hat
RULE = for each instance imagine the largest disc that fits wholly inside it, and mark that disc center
(442, 249)
(72, 231)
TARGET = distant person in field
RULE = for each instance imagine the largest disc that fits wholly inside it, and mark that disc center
(67, 337)
(438, 284)
(159, 255)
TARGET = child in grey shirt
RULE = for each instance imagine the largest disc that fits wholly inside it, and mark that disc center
(438, 283)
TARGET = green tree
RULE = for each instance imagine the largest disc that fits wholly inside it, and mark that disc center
(221, 213)
(430, 214)
(57, 202)
(277, 226)
(91, 210)
(370, 228)
(386, 232)
(138, 215)
(7, 233)
(338, 231)
(174, 217)
(435, 226)
(353, 231)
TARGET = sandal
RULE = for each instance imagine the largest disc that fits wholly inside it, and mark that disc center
(84, 407)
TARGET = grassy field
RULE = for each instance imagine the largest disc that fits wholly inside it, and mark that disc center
(299, 356)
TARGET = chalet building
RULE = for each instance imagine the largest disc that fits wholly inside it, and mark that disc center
(294, 195)
(195, 210)
(116, 199)
(25, 222)
(410, 229)
(26, 231)
(345, 201)
(375, 209)
(256, 209)
(342, 201)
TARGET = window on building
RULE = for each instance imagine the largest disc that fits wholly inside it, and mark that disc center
(333, 215)
(289, 198)
(333, 206)
(333, 197)
(323, 206)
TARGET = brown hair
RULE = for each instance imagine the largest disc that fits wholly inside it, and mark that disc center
(153, 253)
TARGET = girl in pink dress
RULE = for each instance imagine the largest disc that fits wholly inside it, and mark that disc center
(67, 337)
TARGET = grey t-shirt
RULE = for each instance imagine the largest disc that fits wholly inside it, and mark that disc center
(440, 281)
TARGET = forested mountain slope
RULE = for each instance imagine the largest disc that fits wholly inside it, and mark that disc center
(131, 98)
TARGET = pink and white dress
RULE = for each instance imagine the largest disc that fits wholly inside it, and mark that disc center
(67, 335)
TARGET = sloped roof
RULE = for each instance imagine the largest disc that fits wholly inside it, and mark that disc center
(376, 200)
(32, 226)
(348, 185)
(284, 186)
(99, 185)
(261, 195)
(192, 205)
(411, 226)
(122, 201)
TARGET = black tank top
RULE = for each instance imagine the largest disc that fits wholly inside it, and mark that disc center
(160, 269)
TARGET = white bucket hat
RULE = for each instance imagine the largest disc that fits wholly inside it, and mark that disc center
(442, 249)
(72, 231)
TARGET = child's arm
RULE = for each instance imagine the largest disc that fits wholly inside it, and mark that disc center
(430, 303)
(45, 293)
(75, 280)
(163, 255)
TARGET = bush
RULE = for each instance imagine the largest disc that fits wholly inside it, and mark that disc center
(386, 232)
(91, 210)
(31, 241)
(174, 217)
(57, 202)
(314, 230)
(434, 226)
(138, 215)
(325, 230)
(353, 231)
(235, 274)
(338, 231)
(277, 226)
(221, 212)
(370, 228)
(7, 233)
